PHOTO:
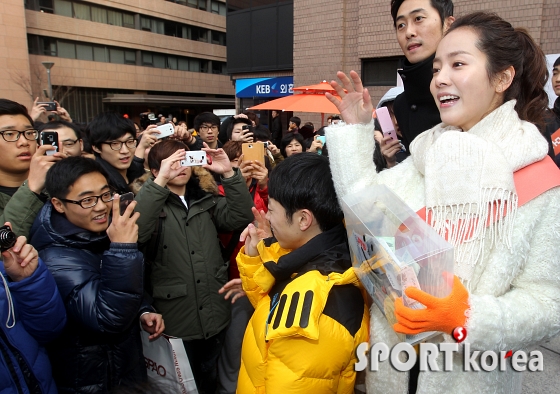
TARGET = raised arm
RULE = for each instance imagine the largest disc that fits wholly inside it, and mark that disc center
(351, 144)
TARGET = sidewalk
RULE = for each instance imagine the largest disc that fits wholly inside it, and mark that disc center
(547, 381)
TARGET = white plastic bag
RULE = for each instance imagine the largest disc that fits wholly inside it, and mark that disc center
(168, 365)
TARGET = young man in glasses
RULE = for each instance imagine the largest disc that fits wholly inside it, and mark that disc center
(207, 125)
(69, 136)
(99, 273)
(23, 166)
(113, 140)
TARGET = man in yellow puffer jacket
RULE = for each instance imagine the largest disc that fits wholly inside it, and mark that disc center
(310, 315)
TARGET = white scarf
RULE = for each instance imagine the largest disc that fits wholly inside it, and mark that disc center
(469, 178)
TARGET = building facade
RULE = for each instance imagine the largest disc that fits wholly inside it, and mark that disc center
(131, 56)
(359, 35)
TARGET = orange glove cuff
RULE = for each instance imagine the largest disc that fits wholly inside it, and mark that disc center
(441, 314)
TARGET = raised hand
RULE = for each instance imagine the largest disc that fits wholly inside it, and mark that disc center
(261, 224)
(218, 162)
(355, 104)
(40, 164)
(37, 110)
(234, 289)
(21, 260)
(170, 168)
(123, 229)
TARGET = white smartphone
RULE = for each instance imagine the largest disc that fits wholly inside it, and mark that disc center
(165, 130)
(194, 158)
(387, 126)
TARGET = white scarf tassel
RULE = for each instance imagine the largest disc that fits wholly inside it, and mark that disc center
(464, 225)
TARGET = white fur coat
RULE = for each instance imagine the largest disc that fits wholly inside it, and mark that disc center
(514, 294)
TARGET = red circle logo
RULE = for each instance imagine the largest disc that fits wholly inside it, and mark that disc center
(459, 334)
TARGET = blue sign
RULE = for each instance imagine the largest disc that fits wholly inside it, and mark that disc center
(264, 87)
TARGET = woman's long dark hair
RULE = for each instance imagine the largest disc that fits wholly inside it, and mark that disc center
(506, 46)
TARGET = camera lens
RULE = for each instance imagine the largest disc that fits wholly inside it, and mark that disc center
(7, 238)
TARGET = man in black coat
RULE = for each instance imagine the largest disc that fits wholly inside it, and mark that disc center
(98, 270)
(420, 25)
(276, 128)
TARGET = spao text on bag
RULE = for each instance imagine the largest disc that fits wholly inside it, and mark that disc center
(152, 365)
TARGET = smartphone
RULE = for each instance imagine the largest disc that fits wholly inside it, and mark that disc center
(50, 138)
(253, 151)
(323, 140)
(194, 158)
(165, 130)
(387, 126)
(125, 201)
(50, 105)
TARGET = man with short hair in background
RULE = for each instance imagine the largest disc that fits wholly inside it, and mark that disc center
(207, 125)
(69, 136)
(419, 25)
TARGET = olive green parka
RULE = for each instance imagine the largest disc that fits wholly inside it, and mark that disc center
(188, 269)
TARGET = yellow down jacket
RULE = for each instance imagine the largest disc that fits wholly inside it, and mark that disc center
(309, 318)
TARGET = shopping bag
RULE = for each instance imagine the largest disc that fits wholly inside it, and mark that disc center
(168, 365)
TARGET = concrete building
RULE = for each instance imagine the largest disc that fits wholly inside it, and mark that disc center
(132, 56)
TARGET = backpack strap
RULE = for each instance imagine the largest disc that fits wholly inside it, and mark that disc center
(530, 182)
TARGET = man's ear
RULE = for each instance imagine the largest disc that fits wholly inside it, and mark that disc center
(306, 219)
(504, 79)
(96, 149)
(58, 205)
(155, 173)
(448, 22)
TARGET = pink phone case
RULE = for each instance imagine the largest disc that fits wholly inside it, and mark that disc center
(386, 122)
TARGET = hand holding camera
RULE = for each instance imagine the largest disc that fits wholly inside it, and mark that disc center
(170, 168)
(123, 228)
(40, 164)
(218, 162)
(20, 258)
(316, 145)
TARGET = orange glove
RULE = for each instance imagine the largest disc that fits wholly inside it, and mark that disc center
(441, 314)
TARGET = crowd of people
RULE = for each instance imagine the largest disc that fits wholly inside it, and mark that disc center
(247, 261)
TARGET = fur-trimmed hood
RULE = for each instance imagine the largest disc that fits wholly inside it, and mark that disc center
(201, 179)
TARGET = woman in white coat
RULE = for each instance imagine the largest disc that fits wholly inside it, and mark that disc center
(488, 84)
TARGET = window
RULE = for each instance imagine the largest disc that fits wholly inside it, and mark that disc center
(380, 71)
(218, 8)
(63, 7)
(172, 62)
(183, 64)
(128, 20)
(218, 38)
(153, 25)
(46, 6)
(115, 18)
(159, 61)
(100, 54)
(203, 66)
(116, 55)
(82, 11)
(129, 57)
(84, 52)
(66, 49)
(99, 15)
(200, 4)
(194, 65)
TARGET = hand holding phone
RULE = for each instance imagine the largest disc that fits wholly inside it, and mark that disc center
(125, 201)
(253, 151)
(387, 126)
(47, 105)
(165, 130)
(194, 158)
(50, 138)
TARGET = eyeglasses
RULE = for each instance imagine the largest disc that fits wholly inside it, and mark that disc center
(90, 202)
(117, 145)
(205, 127)
(69, 143)
(13, 135)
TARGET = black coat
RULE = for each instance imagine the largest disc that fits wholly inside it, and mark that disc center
(101, 284)
(552, 119)
(415, 109)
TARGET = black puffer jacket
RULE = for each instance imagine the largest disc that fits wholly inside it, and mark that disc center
(415, 109)
(101, 286)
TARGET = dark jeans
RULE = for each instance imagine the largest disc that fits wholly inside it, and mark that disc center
(230, 359)
(203, 356)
